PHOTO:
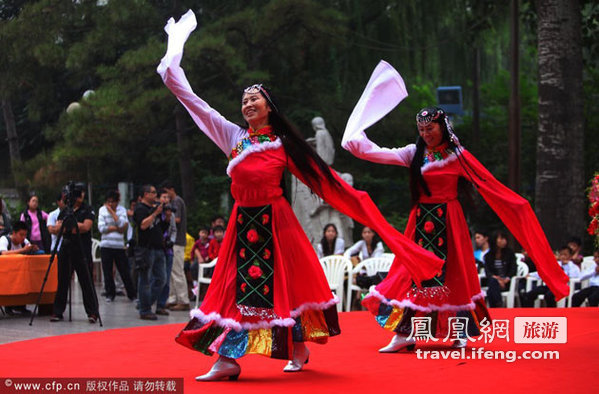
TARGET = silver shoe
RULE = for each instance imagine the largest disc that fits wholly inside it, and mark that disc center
(299, 359)
(397, 343)
(222, 368)
(459, 343)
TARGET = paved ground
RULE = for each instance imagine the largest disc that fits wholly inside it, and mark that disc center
(117, 314)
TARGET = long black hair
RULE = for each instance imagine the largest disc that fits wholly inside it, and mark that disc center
(328, 249)
(493, 245)
(417, 182)
(301, 153)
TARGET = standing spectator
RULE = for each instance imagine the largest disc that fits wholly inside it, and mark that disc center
(4, 220)
(131, 241)
(330, 243)
(500, 267)
(575, 243)
(113, 224)
(36, 224)
(179, 297)
(152, 268)
(592, 292)
(71, 258)
(571, 269)
(168, 227)
(481, 243)
(215, 243)
(53, 229)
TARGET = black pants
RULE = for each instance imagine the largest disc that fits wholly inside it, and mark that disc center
(494, 293)
(119, 258)
(69, 260)
(592, 293)
(528, 299)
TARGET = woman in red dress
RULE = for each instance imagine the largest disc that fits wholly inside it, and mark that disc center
(450, 306)
(269, 294)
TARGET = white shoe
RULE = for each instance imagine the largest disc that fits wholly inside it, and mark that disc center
(397, 343)
(459, 343)
(222, 368)
(301, 355)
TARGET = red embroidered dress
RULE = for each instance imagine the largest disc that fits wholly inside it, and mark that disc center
(437, 223)
(268, 288)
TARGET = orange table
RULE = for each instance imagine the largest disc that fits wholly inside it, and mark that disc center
(21, 278)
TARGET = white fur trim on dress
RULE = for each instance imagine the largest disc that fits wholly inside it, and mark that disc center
(429, 308)
(281, 322)
(253, 149)
(439, 163)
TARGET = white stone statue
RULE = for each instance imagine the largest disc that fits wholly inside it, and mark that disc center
(313, 213)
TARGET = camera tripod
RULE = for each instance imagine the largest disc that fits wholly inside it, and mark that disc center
(69, 223)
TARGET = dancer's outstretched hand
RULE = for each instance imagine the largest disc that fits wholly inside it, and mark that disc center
(178, 32)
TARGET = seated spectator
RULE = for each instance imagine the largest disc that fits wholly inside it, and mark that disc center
(17, 243)
(199, 251)
(4, 220)
(575, 243)
(481, 243)
(592, 292)
(571, 269)
(37, 228)
(217, 220)
(330, 243)
(368, 246)
(214, 246)
(500, 267)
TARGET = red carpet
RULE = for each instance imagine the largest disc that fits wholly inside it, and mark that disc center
(349, 363)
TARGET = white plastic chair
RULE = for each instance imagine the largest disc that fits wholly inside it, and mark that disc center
(335, 268)
(510, 295)
(202, 278)
(371, 266)
(96, 261)
(389, 256)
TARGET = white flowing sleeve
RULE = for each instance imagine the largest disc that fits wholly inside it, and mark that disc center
(223, 133)
(384, 91)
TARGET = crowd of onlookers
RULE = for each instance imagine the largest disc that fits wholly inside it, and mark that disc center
(146, 244)
(158, 261)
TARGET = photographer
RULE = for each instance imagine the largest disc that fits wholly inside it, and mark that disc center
(113, 224)
(149, 252)
(169, 234)
(75, 253)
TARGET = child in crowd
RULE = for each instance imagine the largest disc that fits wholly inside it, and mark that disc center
(571, 269)
(199, 251)
(575, 243)
(214, 246)
(592, 292)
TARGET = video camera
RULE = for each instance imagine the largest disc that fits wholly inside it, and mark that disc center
(71, 192)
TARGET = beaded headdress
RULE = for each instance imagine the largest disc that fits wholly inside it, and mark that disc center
(428, 115)
(263, 90)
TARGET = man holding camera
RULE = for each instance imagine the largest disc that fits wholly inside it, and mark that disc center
(75, 254)
(149, 252)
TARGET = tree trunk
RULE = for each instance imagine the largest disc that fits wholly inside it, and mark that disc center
(560, 184)
(184, 157)
(13, 145)
(514, 104)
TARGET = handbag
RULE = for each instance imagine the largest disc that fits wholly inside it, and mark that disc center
(365, 281)
(141, 256)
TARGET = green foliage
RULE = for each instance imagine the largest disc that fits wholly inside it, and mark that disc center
(317, 55)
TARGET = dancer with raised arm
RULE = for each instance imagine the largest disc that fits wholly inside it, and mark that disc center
(268, 293)
(437, 163)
